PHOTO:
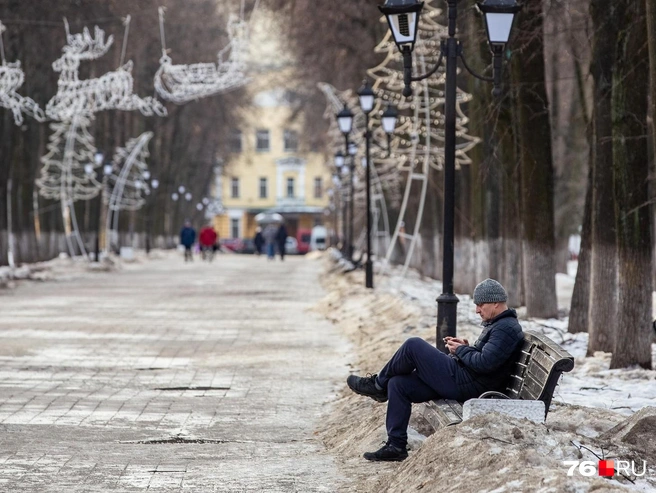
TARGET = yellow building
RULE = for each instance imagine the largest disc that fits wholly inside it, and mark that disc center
(268, 169)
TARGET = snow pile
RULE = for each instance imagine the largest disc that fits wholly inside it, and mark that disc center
(487, 453)
(64, 268)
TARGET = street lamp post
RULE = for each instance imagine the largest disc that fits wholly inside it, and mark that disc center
(345, 123)
(174, 197)
(367, 97)
(339, 166)
(403, 19)
(154, 184)
(99, 158)
(352, 150)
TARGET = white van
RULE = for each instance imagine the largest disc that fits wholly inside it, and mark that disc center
(318, 238)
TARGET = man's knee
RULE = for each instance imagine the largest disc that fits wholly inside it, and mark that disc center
(413, 343)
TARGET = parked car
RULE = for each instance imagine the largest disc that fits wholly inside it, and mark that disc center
(318, 238)
(247, 246)
(303, 237)
(291, 246)
(232, 244)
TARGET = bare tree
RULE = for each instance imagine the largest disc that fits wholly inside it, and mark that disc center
(630, 170)
(536, 164)
(603, 267)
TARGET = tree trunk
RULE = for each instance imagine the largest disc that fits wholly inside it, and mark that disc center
(578, 311)
(536, 164)
(651, 37)
(602, 317)
(631, 170)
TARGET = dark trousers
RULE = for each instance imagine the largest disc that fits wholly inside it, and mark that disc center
(188, 253)
(418, 372)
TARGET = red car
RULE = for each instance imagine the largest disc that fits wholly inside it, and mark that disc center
(234, 244)
(303, 239)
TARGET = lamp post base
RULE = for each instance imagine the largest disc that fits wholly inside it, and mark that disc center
(447, 313)
(369, 274)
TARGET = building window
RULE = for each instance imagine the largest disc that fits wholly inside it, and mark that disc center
(235, 141)
(234, 188)
(234, 227)
(318, 188)
(291, 141)
(262, 140)
(263, 188)
(290, 188)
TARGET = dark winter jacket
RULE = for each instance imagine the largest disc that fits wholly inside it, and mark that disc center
(187, 236)
(281, 235)
(488, 363)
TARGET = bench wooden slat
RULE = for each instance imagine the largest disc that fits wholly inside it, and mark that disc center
(543, 359)
(531, 389)
(537, 370)
(442, 412)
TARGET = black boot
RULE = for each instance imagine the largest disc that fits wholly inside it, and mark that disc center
(366, 386)
(387, 453)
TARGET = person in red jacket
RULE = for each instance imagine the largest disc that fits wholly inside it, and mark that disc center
(207, 239)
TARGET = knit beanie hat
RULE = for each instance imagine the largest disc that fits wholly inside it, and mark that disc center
(489, 291)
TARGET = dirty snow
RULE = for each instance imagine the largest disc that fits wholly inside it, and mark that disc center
(488, 453)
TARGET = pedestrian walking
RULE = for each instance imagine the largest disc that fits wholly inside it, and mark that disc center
(187, 239)
(281, 239)
(419, 372)
(207, 239)
(269, 235)
(258, 241)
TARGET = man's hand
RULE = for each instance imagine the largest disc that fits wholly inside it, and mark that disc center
(452, 343)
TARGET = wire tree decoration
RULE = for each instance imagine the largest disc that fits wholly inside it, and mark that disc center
(11, 78)
(183, 83)
(129, 185)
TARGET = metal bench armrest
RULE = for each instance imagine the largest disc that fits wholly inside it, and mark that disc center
(493, 394)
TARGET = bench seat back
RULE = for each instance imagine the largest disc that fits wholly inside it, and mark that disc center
(538, 368)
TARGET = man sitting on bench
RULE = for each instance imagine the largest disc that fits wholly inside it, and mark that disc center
(419, 372)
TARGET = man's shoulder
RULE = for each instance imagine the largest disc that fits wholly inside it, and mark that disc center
(508, 323)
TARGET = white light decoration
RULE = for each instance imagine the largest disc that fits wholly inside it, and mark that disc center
(11, 78)
(63, 176)
(183, 83)
(75, 105)
(110, 91)
(128, 187)
(422, 121)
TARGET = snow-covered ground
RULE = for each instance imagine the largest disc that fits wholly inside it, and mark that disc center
(591, 383)
(592, 416)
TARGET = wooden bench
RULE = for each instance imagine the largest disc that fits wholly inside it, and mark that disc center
(535, 376)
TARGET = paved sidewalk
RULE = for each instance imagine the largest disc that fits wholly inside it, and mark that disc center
(169, 376)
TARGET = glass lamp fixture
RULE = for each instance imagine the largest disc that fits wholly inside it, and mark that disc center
(345, 120)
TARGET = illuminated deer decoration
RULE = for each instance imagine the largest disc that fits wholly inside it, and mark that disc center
(111, 91)
(183, 83)
(11, 78)
(69, 172)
